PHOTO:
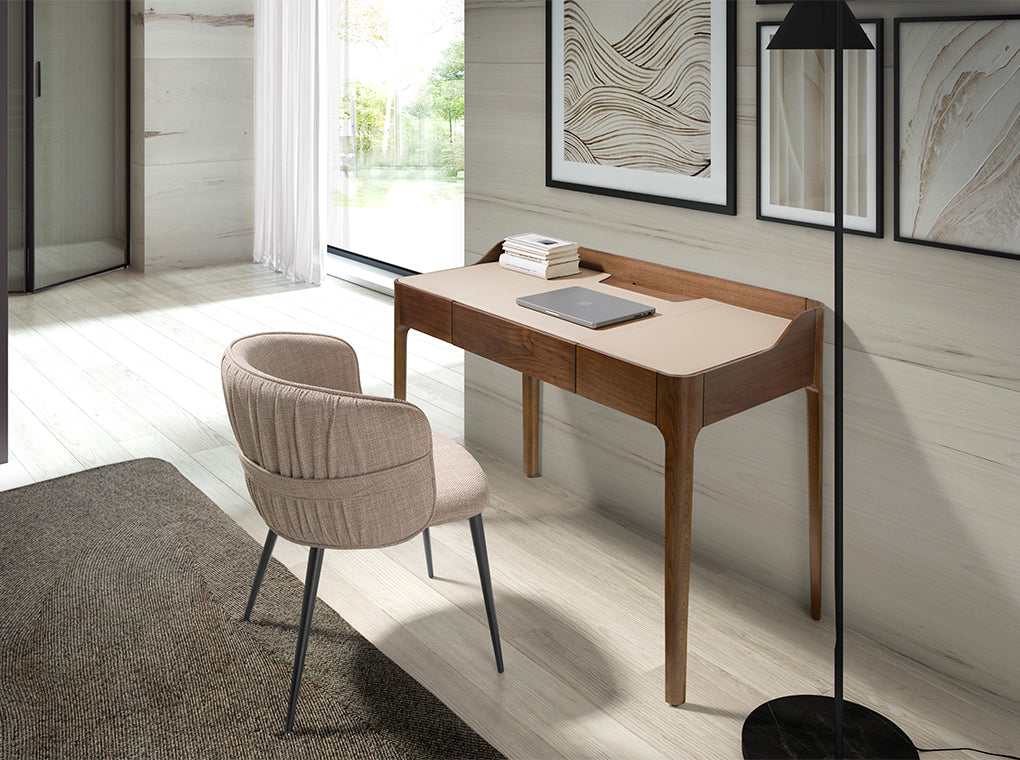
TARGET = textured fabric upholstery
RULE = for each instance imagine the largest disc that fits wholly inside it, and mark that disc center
(321, 361)
(328, 466)
(462, 490)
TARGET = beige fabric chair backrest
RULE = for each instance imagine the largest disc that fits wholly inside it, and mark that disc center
(326, 465)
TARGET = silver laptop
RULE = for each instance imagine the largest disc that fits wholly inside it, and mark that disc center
(590, 308)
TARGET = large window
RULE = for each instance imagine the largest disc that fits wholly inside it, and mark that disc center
(396, 145)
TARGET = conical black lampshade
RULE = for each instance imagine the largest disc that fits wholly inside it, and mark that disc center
(811, 25)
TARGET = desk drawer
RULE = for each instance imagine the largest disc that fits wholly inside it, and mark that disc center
(616, 384)
(534, 353)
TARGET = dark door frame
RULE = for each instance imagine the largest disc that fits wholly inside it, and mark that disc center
(3, 238)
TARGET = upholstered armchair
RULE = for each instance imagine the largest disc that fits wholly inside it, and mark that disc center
(332, 468)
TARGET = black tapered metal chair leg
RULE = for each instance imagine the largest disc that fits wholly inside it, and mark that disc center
(304, 629)
(428, 551)
(267, 552)
(478, 538)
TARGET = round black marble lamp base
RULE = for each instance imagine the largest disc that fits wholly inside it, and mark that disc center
(801, 727)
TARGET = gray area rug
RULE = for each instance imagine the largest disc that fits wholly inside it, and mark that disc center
(121, 592)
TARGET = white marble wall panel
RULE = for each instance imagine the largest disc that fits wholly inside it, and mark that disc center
(199, 28)
(137, 217)
(933, 376)
(197, 214)
(932, 465)
(193, 97)
(496, 41)
(198, 110)
(136, 191)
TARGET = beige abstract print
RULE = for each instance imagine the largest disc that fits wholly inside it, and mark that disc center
(959, 133)
(643, 101)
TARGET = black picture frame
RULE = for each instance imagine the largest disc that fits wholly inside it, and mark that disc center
(668, 166)
(871, 222)
(942, 196)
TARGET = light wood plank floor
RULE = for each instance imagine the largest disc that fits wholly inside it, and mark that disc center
(127, 365)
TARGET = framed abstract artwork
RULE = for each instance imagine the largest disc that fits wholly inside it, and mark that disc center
(794, 146)
(641, 100)
(957, 133)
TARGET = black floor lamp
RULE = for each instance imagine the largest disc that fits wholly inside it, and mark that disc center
(813, 726)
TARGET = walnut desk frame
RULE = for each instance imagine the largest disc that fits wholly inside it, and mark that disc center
(713, 349)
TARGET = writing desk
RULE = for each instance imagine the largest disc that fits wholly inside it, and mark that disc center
(712, 349)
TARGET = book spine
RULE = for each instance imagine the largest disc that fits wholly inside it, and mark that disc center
(552, 258)
(517, 264)
(560, 247)
(539, 250)
(538, 269)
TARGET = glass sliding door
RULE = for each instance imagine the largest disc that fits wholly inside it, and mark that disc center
(79, 139)
(67, 139)
(396, 145)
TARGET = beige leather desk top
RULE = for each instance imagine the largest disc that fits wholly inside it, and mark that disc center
(681, 338)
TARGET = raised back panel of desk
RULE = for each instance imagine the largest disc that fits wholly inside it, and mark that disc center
(667, 282)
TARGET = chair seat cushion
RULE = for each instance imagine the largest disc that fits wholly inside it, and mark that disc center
(462, 490)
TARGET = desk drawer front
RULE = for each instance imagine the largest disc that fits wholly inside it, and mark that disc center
(533, 353)
(423, 311)
(616, 384)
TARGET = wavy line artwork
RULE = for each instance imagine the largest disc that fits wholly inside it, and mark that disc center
(643, 101)
(959, 152)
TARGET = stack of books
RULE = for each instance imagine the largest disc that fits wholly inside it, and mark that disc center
(540, 255)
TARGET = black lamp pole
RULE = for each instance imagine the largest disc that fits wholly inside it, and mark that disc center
(813, 726)
(837, 396)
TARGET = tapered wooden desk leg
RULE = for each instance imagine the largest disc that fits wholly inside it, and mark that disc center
(680, 416)
(815, 436)
(400, 362)
(529, 402)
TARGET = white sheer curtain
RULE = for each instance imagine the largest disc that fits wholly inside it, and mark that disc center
(290, 132)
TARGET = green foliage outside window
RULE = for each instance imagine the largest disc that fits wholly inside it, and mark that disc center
(426, 133)
(442, 99)
(368, 105)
